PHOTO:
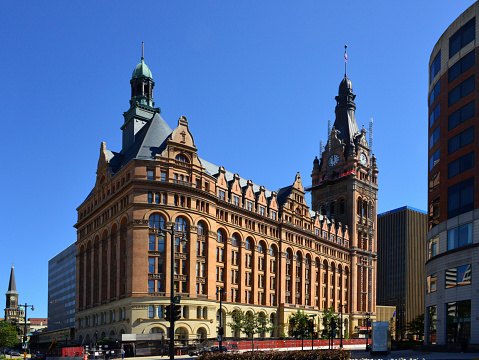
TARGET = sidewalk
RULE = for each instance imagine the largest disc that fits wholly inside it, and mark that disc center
(410, 354)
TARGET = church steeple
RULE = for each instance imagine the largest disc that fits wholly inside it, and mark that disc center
(12, 286)
(12, 312)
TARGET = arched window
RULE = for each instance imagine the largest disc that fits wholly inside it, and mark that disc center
(156, 221)
(221, 236)
(234, 240)
(182, 158)
(260, 247)
(248, 244)
(272, 251)
(180, 224)
(201, 229)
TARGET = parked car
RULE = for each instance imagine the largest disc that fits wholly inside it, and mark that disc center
(14, 353)
(39, 356)
(208, 349)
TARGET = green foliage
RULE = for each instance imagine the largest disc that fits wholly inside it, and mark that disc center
(8, 335)
(249, 323)
(416, 326)
(280, 355)
(330, 322)
(299, 324)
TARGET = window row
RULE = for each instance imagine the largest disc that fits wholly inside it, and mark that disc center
(462, 65)
(461, 90)
(462, 37)
(460, 198)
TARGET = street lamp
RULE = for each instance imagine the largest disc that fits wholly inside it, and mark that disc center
(26, 306)
(221, 291)
(162, 234)
(312, 330)
(341, 341)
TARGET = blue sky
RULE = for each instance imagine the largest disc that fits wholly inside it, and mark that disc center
(256, 80)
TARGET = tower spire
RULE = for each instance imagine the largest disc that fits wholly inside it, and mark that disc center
(142, 50)
(345, 60)
(12, 287)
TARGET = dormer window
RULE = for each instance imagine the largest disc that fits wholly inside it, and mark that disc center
(249, 205)
(182, 158)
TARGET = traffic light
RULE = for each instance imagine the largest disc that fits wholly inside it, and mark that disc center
(176, 312)
(168, 313)
(315, 335)
(25, 339)
(221, 331)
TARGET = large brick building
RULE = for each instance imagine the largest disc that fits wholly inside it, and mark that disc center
(268, 250)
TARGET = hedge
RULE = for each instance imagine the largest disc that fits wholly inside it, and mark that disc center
(280, 355)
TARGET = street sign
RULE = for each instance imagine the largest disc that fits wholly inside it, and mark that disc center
(219, 337)
(176, 299)
(24, 346)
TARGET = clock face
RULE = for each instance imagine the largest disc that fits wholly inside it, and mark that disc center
(333, 160)
(363, 159)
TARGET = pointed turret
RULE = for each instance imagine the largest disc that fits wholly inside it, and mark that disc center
(12, 286)
(141, 103)
(345, 110)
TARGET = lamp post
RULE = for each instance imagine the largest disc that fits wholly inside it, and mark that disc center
(26, 306)
(162, 234)
(220, 328)
(341, 341)
(312, 330)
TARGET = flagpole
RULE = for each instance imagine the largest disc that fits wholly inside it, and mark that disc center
(345, 60)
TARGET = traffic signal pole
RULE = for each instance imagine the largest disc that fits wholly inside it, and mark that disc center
(172, 295)
(25, 338)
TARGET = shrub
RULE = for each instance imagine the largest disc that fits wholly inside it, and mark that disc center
(280, 355)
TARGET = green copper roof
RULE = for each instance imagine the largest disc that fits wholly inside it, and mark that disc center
(142, 70)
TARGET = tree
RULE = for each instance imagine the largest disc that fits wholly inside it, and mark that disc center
(416, 326)
(249, 323)
(8, 335)
(330, 323)
(299, 325)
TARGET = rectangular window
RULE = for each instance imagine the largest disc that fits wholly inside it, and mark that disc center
(161, 286)
(460, 198)
(435, 92)
(151, 285)
(161, 264)
(458, 276)
(462, 37)
(461, 90)
(462, 65)
(151, 243)
(249, 205)
(434, 137)
(273, 215)
(157, 198)
(261, 210)
(460, 140)
(150, 198)
(151, 311)
(151, 265)
(221, 194)
(150, 174)
(459, 236)
(235, 200)
(461, 115)
(435, 67)
(163, 176)
(432, 247)
(431, 283)
(434, 159)
(434, 115)
(460, 165)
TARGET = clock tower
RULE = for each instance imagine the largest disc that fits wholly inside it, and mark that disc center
(344, 188)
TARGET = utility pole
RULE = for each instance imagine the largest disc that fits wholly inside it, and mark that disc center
(172, 316)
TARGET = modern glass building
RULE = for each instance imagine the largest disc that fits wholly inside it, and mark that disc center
(61, 289)
(451, 305)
